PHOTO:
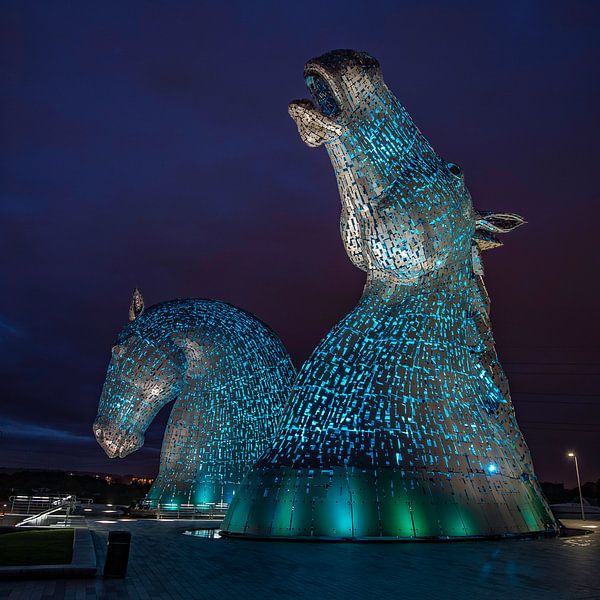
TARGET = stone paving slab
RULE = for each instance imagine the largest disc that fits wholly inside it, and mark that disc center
(164, 564)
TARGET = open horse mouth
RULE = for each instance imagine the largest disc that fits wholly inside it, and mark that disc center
(317, 121)
(327, 78)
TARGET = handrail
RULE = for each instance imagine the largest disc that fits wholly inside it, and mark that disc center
(208, 510)
(22, 504)
(68, 502)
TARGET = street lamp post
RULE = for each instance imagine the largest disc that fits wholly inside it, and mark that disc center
(573, 455)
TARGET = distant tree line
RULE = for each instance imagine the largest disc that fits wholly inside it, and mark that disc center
(100, 488)
(557, 493)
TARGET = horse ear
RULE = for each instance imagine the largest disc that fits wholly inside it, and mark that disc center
(489, 223)
(496, 222)
(136, 308)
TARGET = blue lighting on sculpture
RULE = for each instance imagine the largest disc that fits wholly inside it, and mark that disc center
(400, 424)
(228, 375)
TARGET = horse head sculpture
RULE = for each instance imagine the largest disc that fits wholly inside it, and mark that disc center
(400, 424)
(228, 375)
(406, 211)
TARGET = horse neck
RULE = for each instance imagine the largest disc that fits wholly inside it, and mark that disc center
(431, 310)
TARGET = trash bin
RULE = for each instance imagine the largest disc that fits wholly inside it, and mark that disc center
(117, 554)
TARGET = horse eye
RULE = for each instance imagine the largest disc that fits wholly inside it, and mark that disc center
(455, 169)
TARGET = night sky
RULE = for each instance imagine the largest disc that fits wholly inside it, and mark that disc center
(148, 144)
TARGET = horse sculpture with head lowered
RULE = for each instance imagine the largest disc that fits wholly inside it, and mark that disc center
(229, 376)
(400, 424)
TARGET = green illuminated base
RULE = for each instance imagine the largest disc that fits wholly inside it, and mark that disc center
(385, 503)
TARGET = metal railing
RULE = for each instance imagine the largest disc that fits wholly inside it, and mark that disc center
(42, 519)
(33, 505)
(189, 511)
(47, 511)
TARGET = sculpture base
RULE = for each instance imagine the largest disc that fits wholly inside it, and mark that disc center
(201, 493)
(349, 503)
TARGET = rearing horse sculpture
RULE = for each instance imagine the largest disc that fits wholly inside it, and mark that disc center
(400, 424)
(229, 376)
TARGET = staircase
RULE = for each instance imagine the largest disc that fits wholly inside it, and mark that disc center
(47, 511)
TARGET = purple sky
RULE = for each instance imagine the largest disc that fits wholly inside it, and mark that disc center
(148, 144)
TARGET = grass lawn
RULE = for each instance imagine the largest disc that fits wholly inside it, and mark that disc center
(36, 547)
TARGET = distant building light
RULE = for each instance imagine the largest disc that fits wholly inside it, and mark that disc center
(492, 468)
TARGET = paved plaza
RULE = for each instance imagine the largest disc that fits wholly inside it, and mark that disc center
(164, 563)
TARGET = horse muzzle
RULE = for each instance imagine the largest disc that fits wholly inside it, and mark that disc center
(117, 444)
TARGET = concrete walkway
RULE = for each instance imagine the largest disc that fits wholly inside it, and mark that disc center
(166, 564)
